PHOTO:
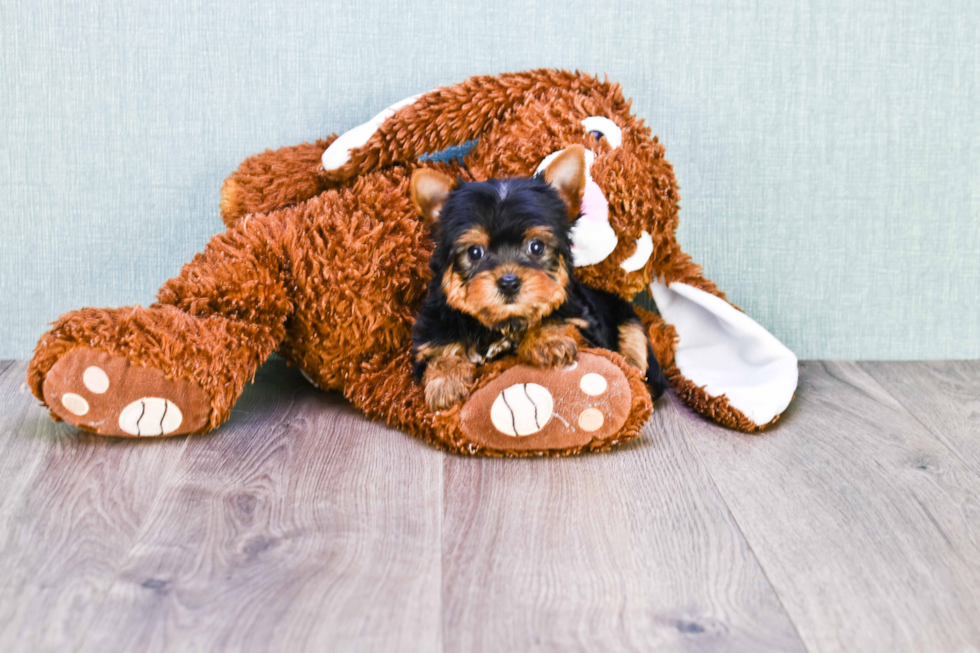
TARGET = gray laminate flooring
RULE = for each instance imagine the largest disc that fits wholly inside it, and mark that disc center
(853, 525)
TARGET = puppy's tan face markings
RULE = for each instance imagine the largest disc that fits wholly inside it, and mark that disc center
(471, 242)
(472, 282)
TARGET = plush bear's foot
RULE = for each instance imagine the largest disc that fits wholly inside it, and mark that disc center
(102, 392)
(549, 408)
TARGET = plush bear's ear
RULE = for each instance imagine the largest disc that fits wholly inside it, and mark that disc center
(429, 190)
(566, 174)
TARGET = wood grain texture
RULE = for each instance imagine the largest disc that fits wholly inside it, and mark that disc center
(865, 523)
(71, 506)
(943, 395)
(300, 526)
(633, 551)
(20, 450)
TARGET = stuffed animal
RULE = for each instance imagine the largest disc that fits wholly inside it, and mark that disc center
(325, 261)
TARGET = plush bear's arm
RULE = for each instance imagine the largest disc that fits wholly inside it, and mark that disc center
(274, 179)
(719, 360)
(450, 116)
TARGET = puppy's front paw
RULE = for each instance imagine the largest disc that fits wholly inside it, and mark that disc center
(550, 349)
(444, 392)
(447, 381)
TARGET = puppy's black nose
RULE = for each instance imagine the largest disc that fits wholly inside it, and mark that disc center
(509, 284)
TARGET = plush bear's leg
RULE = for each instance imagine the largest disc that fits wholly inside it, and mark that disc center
(274, 179)
(179, 365)
(723, 364)
(515, 410)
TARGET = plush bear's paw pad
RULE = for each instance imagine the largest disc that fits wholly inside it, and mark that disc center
(103, 392)
(538, 408)
(150, 416)
(522, 409)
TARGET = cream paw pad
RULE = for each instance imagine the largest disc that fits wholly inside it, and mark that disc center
(101, 392)
(535, 408)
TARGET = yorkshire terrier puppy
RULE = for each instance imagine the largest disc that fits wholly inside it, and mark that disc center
(503, 281)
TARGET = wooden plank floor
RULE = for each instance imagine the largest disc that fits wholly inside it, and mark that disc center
(853, 525)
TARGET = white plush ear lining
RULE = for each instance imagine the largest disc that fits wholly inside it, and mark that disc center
(339, 151)
(639, 258)
(727, 352)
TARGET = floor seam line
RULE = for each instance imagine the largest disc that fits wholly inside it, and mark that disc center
(936, 436)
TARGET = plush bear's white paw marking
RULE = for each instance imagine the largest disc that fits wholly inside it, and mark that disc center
(547, 409)
(339, 151)
(522, 409)
(150, 416)
(593, 384)
(639, 258)
(96, 380)
(75, 404)
(591, 419)
(525, 408)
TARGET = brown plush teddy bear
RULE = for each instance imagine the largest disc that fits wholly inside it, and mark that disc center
(325, 261)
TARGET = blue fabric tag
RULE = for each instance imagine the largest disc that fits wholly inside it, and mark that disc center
(457, 152)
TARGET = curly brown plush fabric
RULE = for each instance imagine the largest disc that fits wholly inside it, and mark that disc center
(328, 268)
(274, 179)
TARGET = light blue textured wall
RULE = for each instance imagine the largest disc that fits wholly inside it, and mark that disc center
(828, 152)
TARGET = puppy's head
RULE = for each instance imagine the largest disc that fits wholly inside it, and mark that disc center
(503, 247)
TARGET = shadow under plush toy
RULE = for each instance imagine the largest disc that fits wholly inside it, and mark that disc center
(326, 261)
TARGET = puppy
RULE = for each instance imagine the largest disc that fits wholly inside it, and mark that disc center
(503, 281)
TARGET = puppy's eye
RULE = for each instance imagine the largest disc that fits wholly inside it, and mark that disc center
(596, 134)
(475, 253)
(536, 247)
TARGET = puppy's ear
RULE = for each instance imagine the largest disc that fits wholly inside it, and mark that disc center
(566, 174)
(429, 190)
